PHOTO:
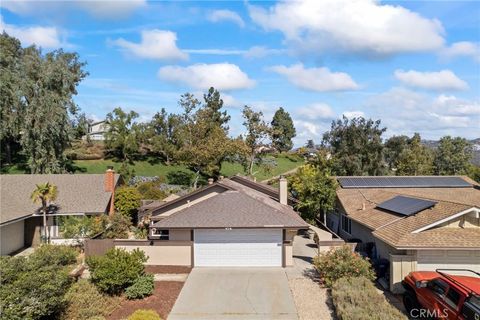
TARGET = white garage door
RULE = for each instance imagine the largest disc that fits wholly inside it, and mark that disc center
(238, 248)
(429, 260)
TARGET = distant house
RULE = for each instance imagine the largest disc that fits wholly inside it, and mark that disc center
(96, 131)
(415, 223)
(78, 195)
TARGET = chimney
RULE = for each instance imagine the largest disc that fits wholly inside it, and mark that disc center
(109, 186)
(283, 190)
(210, 180)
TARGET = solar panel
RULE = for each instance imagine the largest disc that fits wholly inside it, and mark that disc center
(403, 182)
(406, 206)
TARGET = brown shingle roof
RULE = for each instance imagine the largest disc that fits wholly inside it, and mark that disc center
(77, 193)
(442, 238)
(240, 207)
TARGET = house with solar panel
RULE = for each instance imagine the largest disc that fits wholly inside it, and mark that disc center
(410, 223)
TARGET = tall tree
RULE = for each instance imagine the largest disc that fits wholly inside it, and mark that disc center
(453, 156)
(43, 194)
(212, 110)
(356, 146)
(121, 136)
(415, 159)
(50, 82)
(310, 144)
(283, 131)
(257, 131)
(164, 134)
(394, 146)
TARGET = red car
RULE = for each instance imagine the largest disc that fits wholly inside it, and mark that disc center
(441, 294)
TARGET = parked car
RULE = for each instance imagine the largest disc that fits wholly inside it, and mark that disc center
(442, 294)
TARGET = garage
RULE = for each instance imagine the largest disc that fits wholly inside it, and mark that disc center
(429, 260)
(12, 237)
(238, 247)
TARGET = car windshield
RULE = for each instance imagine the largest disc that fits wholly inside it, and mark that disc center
(471, 308)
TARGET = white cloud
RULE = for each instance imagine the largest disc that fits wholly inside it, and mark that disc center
(462, 49)
(226, 15)
(155, 44)
(441, 80)
(45, 37)
(316, 111)
(361, 26)
(261, 52)
(353, 114)
(222, 76)
(216, 52)
(100, 9)
(316, 79)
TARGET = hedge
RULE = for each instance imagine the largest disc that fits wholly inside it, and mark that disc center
(358, 299)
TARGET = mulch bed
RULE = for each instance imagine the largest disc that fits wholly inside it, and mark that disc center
(167, 269)
(162, 301)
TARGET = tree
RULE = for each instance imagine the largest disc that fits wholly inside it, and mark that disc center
(415, 159)
(43, 194)
(212, 110)
(121, 136)
(453, 156)
(283, 131)
(257, 131)
(310, 144)
(394, 146)
(164, 134)
(127, 201)
(80, 125)
(356, 146)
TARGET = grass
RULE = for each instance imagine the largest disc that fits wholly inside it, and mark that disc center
(154, 168)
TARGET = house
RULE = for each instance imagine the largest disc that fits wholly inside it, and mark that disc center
(96, 131)
(416, 223)
(232, 222)
(78, 195)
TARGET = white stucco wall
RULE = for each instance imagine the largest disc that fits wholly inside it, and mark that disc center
(12, 237)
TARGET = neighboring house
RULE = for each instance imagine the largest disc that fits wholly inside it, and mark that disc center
(96, 131)
(417, 223)
(232, 222)
(78, 195)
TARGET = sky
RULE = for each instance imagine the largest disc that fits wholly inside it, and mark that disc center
(415, 65)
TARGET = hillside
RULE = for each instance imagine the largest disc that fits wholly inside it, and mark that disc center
(433, 144)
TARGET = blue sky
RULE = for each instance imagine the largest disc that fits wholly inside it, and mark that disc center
(413, 64)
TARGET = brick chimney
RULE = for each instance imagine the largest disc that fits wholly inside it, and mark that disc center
(283, 196)
(109, 186)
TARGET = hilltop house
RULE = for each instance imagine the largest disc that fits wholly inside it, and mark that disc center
(416, 223)
(78, 195)
(96, 131)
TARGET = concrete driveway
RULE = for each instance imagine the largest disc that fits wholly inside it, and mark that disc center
(235, 293)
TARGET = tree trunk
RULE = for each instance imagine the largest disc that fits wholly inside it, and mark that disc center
(8, 152)
(44, 209)
(250, 165)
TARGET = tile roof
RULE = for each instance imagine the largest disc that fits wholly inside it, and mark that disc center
(77, 193)
(238, 207)
(396, 229)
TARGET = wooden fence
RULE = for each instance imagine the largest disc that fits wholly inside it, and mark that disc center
(97, 247)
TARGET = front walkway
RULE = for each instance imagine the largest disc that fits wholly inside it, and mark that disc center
(312, 300)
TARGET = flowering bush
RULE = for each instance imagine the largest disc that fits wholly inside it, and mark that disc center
(342, 262)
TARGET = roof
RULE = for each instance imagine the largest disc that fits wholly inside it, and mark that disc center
(237, 207)
(397, 230)
(261, 187)
(77, 193)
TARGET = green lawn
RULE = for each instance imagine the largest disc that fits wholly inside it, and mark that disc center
(149, 168)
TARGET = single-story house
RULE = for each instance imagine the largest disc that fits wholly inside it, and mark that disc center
(78, 195)
(231, 222)
(416, 223)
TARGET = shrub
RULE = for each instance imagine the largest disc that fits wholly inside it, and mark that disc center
(118, 228)
(141, 288)
(49, 254)
(127, 200)
(143, 314)
(358, 299)
(180, 177)
(342, 262)
(117, 269)
(150, 190)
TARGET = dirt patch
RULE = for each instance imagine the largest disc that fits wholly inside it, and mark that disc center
(162, 301)
(167, 269)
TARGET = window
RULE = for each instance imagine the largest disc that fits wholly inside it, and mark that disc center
(452, 298)
(437, 286)
(471, 308)
(160, 234)
(346, 224)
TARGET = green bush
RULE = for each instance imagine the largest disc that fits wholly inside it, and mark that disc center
(49, 254)
(127, 201)
(116, 270)
(150, 190)
(342, 262)
(179, 177)
(358, 299)
(30, 290)
(119, 226)
(143, 314)
(86, 302)
(141, 288)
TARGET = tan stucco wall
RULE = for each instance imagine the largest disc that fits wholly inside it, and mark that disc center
(12, 237)
(288, 255)
(166, 255)
(180, 235)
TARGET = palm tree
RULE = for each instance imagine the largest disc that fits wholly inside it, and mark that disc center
(43, 194)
